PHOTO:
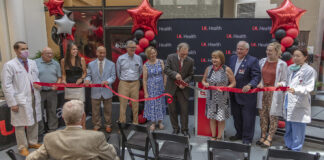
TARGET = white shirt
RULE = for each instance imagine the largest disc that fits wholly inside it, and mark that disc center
(237, 65)
(180, 60)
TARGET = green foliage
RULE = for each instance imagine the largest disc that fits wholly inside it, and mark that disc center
(56, 57)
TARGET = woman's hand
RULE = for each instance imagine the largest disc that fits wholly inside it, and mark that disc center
(291, 90)
(64, 82)
(146, 95)
(206, 85)
(279, 84)
(79, 81)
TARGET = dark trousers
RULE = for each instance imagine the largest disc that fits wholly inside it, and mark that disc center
(244, 120)
(179, 97)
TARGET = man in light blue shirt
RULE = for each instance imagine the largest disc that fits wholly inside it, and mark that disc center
(49, 72)
(129, 69)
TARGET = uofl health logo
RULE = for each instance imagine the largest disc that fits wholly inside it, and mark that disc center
(3, 129)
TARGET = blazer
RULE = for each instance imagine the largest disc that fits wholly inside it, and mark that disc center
(171, 70)
(93, 75)
(250, 75)
(278, 96)
(74, 143)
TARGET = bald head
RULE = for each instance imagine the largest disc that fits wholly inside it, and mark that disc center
(47, 54)
(101, 53)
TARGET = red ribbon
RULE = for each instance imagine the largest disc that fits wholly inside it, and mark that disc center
(255, 90)
(73, 85)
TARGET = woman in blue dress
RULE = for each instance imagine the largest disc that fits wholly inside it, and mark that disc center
(153, 85)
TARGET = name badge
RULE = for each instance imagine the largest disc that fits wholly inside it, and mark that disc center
(241, 71)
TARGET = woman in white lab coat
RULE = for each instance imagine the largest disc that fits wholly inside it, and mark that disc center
(297, 105)
(274, 74)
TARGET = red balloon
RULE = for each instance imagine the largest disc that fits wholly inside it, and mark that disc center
(145, 17)
(281, 124)
(144, 42)
(55, 7)
(290, 62)
(149, 35)
(286, 16)
(292, 32)
(99, 33)
(138, 49)
(287, 41)
(283, 48)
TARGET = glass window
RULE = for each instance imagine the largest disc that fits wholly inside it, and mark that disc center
(82, 3)
(123, 2)
(188, 8)
(89, 31)
(117, 18)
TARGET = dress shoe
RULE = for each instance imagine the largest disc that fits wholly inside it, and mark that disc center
(108, 129)
(234, 138)
(247, 142)
(185, 133)
(175, 131)
(24, 152)
(35, 146)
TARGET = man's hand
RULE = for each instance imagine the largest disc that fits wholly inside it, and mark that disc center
(146, 95)
(291, 90)
(206, 85)
(181, 86)
(86, 83)
(103, 83)
(279, 84)
(246, 88)
(178, 76)
(64, 82)
(37, 86)
(15, 108)
(260, 85)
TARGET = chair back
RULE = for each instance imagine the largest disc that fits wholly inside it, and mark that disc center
(291, 155)
(237, 147)
(129, 126)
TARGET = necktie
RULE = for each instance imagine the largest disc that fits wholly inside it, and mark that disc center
(25, 65)
(180, 66)
(100, 67)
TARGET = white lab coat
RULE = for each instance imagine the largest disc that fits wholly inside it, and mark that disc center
(299, 103)
(16, 86)
(278, 96)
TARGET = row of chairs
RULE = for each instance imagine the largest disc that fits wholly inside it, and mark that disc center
(171, 147)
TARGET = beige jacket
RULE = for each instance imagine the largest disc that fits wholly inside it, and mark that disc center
(74, 143)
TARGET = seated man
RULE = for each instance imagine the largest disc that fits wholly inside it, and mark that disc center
(73, 142)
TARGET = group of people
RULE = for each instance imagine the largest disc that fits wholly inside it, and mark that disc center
(247, 72)
(28, 101)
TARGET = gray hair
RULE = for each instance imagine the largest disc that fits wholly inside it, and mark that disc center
(130, 42)
(245, 43)
(73, 111)
(182, 45)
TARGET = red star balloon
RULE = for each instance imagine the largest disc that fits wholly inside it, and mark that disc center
(286, 16)
(144, 17)
(54, 7)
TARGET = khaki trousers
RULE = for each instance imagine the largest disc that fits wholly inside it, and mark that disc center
(96, 117)
(28, 136)
(129, 89)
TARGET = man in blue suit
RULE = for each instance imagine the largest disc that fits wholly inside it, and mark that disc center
(101, 71)
(247, 75)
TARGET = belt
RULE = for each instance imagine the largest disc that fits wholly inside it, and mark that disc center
(129, 81)
(46, 90)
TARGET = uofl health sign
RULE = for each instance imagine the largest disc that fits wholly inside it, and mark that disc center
(206, 35)
(7, 131)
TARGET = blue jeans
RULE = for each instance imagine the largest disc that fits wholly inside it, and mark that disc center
(295, 135)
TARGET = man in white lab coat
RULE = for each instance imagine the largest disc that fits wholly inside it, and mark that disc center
(17, 77)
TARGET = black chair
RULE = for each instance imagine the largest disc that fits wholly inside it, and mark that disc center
(173, 147)
(14, 156)
(221, 150)
(114, 139)
(277, 154)
(138, 141)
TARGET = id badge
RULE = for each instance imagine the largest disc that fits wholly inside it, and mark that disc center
(241, 71)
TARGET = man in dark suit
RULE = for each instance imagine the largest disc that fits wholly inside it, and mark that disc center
(179, 67)
(247, 75)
